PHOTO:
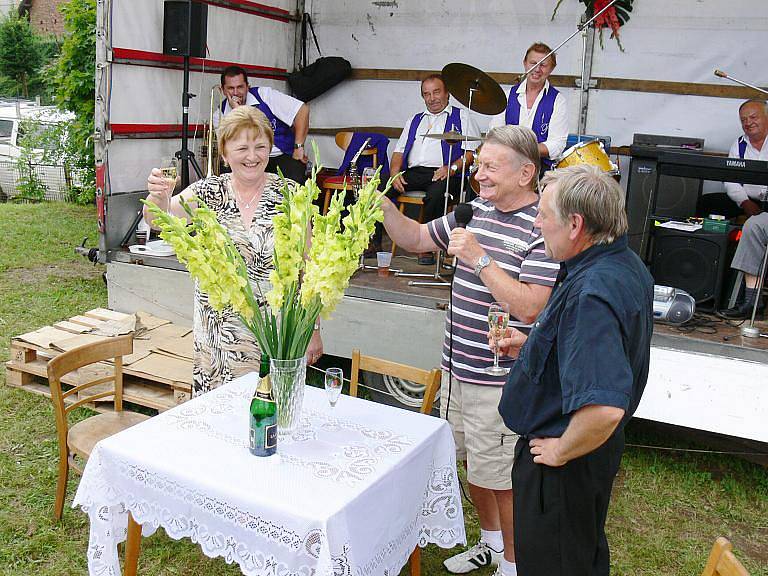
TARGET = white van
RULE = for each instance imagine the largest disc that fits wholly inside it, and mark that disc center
(12, 125)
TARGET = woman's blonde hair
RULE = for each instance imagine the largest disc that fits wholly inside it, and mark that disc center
(240, 119)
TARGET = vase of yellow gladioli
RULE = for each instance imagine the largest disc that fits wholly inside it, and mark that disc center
(304, 285)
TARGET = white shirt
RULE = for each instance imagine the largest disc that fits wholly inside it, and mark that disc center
(284, 107)
(740, 192)
(558, 124)
(428, 152)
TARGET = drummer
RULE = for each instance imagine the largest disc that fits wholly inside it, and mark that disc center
(538, 105)
(427, 162)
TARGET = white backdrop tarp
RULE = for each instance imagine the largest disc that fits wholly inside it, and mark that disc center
(681, 41)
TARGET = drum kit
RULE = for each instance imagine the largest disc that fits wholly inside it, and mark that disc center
(480, 93)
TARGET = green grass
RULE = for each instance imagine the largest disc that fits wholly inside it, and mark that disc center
(666, 511)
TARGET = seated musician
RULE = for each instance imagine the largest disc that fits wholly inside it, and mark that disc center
(753, 201)
(750, 146)
(289, 118)
(743, 199)
(427, 162)
(537, 105)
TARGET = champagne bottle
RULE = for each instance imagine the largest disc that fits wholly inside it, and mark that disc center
(263, 415)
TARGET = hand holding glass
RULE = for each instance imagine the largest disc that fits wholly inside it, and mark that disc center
(498, 319)
(170, 172)
(334, 381)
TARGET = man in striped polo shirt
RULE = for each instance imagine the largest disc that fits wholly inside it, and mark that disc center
(501, 258)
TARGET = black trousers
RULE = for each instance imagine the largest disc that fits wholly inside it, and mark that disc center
(420, 178)
(560, 512)
(292, 169)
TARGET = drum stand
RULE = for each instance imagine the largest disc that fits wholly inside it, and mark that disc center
(437, 280)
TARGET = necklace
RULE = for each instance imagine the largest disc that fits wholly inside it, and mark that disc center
(241, 203)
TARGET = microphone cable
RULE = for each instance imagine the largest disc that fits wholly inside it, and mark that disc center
(450, 345)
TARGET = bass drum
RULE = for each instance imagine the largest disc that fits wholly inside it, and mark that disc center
(589, 152)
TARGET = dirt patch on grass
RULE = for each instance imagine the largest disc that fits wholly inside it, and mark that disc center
(38, 274)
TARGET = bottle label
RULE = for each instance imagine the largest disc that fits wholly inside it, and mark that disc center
(270, 436)
(263, 436)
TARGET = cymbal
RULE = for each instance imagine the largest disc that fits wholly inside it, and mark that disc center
(487, 98)
(453, 137)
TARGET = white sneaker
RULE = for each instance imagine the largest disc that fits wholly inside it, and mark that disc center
(498, 571)
(477, 556)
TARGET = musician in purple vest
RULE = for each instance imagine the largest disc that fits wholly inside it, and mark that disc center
(537, 105)
(289, 118)
(753, 200)
(427, 162)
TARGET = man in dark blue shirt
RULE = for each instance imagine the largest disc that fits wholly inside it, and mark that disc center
(579, 377)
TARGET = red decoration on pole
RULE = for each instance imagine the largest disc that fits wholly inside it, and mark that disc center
(607, 19)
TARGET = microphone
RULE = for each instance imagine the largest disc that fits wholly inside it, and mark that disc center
(463, 214)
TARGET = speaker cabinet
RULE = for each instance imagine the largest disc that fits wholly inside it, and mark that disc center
(676, 198)
(691, 261)
(185, 28)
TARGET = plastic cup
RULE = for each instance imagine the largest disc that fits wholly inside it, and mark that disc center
(383, 260)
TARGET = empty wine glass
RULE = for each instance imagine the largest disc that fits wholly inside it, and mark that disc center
(334, 381)
(498, 319)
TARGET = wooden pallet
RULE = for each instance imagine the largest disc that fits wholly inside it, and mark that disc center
(27, 369)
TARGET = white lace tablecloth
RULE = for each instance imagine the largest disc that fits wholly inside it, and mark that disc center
(351, 493)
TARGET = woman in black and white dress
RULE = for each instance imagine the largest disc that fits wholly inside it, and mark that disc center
(244, 201)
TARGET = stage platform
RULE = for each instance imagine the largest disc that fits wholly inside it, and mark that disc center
(707, 334)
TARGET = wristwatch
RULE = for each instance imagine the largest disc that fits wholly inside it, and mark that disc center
(454, 168)
(298, 145)
(484, 261)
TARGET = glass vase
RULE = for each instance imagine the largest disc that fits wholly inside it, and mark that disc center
(288, 379)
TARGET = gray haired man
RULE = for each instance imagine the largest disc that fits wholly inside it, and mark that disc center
(579, 376)
(501, 258)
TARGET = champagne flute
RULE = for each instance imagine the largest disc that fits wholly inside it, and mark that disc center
(169, 168)
(334, 381)
(498, 319)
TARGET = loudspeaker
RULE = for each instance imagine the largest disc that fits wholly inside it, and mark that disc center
(185, 28)
(676, 198)
(691, 261)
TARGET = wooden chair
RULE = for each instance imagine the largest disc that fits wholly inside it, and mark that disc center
(340, 182)
(79, 439)
(417, 198)
(722, 562)
(429, 378)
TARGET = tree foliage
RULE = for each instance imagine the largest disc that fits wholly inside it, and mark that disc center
(20, 54)
(72, 79)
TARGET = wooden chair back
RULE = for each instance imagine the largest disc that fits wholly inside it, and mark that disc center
(343, 140)
(79, 357)
(429, 378)
(722, 561)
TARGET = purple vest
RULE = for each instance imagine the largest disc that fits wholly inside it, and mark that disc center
(453, 122)
(742, 147)
(284, 137)
(541, 117)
